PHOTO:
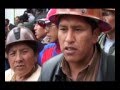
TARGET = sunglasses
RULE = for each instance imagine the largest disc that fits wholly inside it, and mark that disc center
(40, 22)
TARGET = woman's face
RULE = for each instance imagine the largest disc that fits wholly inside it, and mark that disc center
(21, 58)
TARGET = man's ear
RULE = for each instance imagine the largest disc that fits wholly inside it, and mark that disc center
(96, 33)
(36, 57)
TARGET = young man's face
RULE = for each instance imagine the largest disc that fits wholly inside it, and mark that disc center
(39, 31)
(21, 58)
(76, 38)
(17, 20)
(109, 16)
(52, 32)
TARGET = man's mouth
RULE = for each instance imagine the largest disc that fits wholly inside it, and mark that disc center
(35, 34)
(70, 50)
(20, 66)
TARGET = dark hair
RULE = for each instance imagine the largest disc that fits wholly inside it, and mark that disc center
(92, 22)
(24, 17)
(29, 10)
(7, 22)
(41, 23)
(17, 17)
(41, 10)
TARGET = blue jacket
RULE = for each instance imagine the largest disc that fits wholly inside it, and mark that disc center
(50, 50)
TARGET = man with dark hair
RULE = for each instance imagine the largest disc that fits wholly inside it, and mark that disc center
(17, 20)
(82, 59)
(39, 29)
(107, 39)
(7, 23)
(52, 49)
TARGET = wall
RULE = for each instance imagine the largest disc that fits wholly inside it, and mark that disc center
(12, 13)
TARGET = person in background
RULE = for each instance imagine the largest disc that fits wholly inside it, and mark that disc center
(52, 32)
(9, 25)
(21, 50)
(24, 20)
(52, 49)
(7, 66)
(40, 32)
(107, 39)
(17, 20)
(82, 59)
(30, 15)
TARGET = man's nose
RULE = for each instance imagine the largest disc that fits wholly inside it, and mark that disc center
(70, 37)
(18, 57)
(46, 30)
(35, 27)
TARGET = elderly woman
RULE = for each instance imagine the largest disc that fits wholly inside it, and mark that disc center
(21, 49)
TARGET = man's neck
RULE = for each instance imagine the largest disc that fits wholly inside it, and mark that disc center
(79, 66)
(111, 35)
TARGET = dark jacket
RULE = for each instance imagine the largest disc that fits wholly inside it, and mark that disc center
(11, 26)
(51, 70)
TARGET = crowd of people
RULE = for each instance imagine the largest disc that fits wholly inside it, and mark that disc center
(61, 45)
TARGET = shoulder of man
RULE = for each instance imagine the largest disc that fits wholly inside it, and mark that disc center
(108, 67)
(49, 68)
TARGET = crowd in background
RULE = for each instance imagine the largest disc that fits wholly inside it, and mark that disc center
(46, 33)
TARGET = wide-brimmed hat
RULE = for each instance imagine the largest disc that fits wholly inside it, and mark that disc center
(95, 14)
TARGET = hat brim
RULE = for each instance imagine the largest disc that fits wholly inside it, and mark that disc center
(104, 26)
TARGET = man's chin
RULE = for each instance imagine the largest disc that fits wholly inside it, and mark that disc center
(69, 58)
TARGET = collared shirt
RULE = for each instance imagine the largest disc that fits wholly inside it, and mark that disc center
(34, 77)
(108, 44)
(87, 73)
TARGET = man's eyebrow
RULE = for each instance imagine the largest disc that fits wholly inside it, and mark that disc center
(26, 48)
(60, 25)
(20, 49)
(11, 51)
(72, 26)
(77, 26)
